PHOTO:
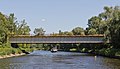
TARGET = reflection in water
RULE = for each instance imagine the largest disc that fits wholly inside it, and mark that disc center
(59, 60)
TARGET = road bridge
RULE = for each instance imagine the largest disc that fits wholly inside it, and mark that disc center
(58, 39)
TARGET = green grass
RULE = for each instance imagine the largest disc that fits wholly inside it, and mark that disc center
(8, 51)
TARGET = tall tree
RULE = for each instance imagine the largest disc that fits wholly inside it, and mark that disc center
(3, 28)
(10, 26)
(107, 23)
(11, 23)
(115, 27)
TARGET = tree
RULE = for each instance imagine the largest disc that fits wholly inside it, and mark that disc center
(22, 28)
(65, 33)
(78, 31)
(107, 23)
(97, 24)
(114, 28)
(39, 31)
(92, 31)
(3, 28)
(68, 33)
(11, 23)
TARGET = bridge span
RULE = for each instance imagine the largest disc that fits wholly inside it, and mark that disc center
(58, 39)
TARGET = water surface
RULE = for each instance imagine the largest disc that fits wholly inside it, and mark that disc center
(59, 60)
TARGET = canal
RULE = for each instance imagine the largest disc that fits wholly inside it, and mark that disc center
(59, 60)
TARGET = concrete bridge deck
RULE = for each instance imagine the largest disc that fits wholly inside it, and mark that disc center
(58, 39)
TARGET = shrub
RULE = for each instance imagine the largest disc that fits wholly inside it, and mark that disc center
(13, 51)
(102, 51)
(19, 51)
(117, 53)
(29, 49)
(84, 50)
(108, 51)
(8, 51)
(2, 53)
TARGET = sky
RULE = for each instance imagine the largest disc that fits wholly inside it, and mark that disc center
(55, 15)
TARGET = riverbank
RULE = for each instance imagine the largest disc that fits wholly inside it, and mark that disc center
(106, 52)
(117, 57)
(11, 55)
(6, 52)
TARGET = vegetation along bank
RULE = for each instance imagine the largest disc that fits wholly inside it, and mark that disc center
(106, 23)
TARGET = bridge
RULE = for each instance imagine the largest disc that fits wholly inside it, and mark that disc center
(57, 39)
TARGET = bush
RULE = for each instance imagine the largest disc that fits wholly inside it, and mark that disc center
(8, 51)
(2, 53)
(117, 53)
(29, 49)
(84, 50)
(108, 51)
(19, 51)
(102, 51)
(90, 50)
(13, 51)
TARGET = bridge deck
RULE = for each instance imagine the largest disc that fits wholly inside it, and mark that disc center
(57, 39)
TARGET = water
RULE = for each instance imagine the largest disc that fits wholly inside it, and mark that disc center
(59, 60)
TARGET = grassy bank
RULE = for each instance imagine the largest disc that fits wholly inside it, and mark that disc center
(10, 52)
(107, 52)
(7, 50)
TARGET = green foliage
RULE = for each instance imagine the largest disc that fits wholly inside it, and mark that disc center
(2, 53)
(8, 51)
(107, 23)
(9, 26)
(84, 50)
(92, 31)
(64, 33)
(29, 49)
(22, 28)
(39, 31)
(117, 53)
(102, 51)
(67, 33)
(108, 51)
(78, 31)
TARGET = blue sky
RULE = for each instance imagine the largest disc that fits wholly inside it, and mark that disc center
(55, 15)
